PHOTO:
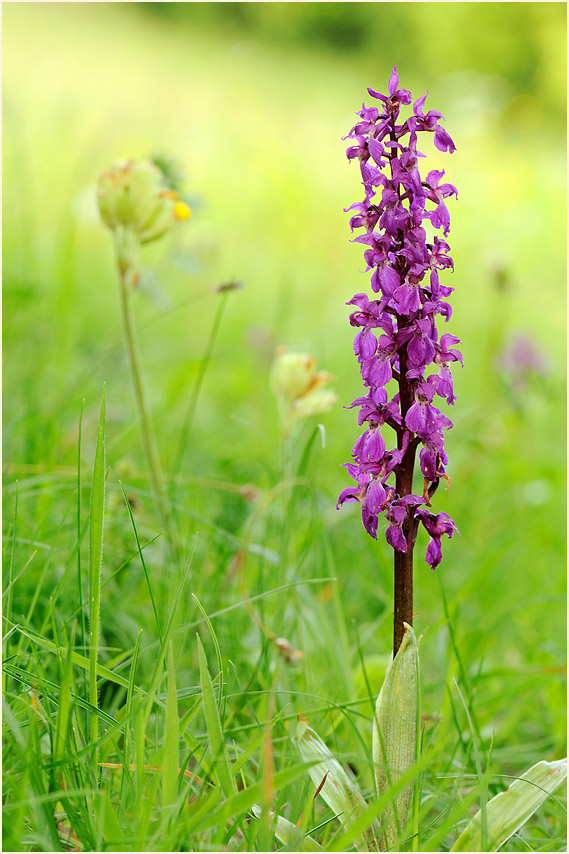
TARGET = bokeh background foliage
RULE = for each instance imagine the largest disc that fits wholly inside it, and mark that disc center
(252, 101)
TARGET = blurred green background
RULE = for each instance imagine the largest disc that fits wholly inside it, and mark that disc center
(252, 100)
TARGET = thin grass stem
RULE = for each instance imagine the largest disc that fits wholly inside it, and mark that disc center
(204, 364)
(95, 560)
(79, 532)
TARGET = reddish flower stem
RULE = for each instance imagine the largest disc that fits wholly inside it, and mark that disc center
(403, 561)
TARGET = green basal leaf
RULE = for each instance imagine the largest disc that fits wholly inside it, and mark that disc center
(287, 832)
(333, 783)
(395, 730)
(509, 810)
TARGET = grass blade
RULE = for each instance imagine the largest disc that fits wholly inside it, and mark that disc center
(157, 672)
(96, 515)
(143, 562)
(80, 660)
(170, 762)
(214, 731)
(132, 676)
(79, 532)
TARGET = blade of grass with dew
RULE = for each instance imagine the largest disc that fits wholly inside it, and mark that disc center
(171, 760)
(117, 571)
(96, 521)
(508, 811)
(215, 735)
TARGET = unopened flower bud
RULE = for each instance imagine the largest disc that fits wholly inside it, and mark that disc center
(299, 387)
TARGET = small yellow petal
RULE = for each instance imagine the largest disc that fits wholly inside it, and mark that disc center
(182, 211)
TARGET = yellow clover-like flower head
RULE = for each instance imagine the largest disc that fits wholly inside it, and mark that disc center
(134, 196)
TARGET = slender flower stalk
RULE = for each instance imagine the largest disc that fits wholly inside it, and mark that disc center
(137, 379)
(397, 338)
(138, 207)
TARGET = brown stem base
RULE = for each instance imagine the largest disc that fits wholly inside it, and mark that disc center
(402, 596)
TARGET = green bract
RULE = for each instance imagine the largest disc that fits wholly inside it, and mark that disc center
(395, 730)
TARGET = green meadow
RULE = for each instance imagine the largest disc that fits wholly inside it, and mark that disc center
(290, 599)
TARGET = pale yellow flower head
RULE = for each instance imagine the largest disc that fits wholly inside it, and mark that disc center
(134, 196)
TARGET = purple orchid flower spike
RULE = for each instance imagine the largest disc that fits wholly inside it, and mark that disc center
(397, 340)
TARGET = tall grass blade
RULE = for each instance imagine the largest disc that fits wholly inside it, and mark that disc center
(111, 829)
(8, 606)
(64, 707)
(215, 734)
(143, 562)
(79, 532)
(190, 412)
(96, 516)
(157, 672)
(51, 690)
(479, 772)
(80, 660)
(132, 676)
(170, 764)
